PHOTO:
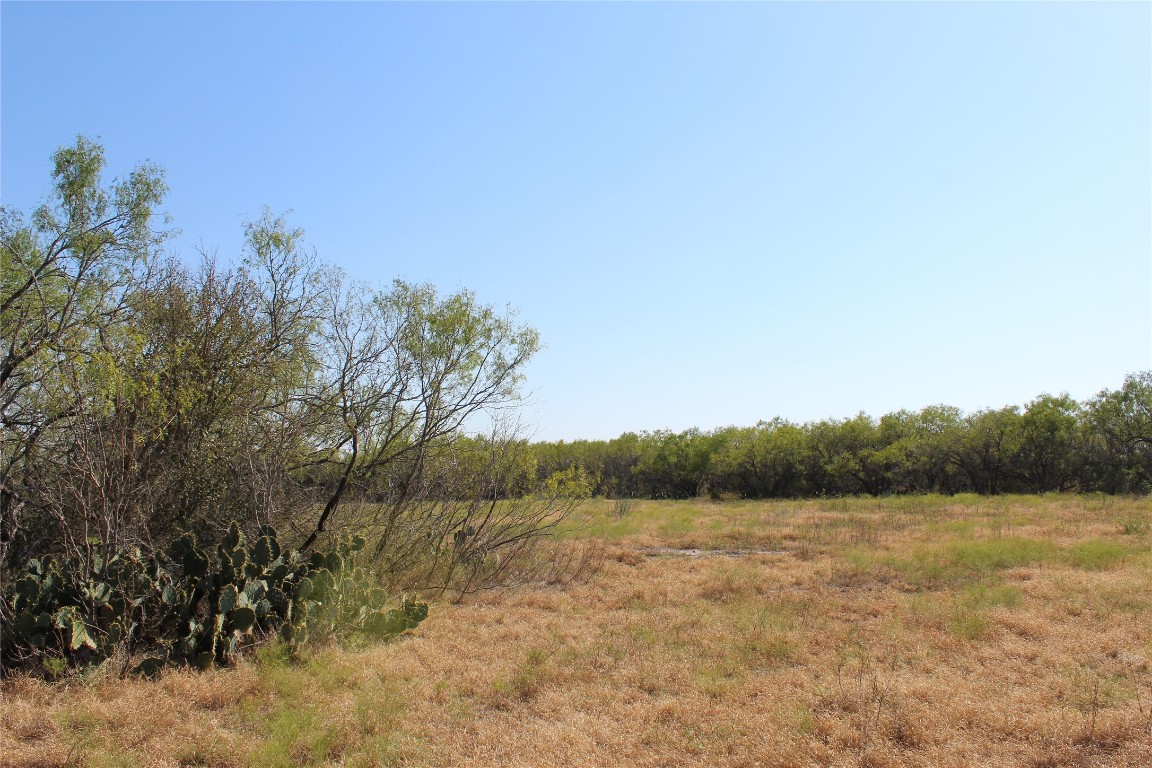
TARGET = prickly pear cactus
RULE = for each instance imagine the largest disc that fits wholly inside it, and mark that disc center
(192, 605)
(51, 616)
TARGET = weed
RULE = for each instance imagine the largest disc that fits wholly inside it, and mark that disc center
(968, 623)
(866, 689)
(294, 736)
(962, 562)
(764, 649)
(966, 614)
(78, 727)
(54, 667)
(1095, 555)
(1134, 599)
(1136, 524)
(997, 554)
(1091, 693)
(961, 528)
(524, 684)
(856, 567)
(621, 508)
(274, 654)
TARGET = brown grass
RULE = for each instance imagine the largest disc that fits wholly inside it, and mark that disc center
(943, 632)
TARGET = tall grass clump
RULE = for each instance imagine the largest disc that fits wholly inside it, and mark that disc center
(621, 508)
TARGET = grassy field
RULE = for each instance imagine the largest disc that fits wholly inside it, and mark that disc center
(900, 632)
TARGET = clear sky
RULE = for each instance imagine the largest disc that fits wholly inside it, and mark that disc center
(713, 213)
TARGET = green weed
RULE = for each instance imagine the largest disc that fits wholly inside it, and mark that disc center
(1135, 601)
(967, 623)
(1095, 555)
(961, 562)
(524, 683)
(295, 735)
(621, 508)
(960, 528)
(857, 566)
(1135, 525)
(716, 678)
(764, 631)
(986, 596)
(300, 728)
(969, 615)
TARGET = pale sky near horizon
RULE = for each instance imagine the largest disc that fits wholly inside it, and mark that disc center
(713, 213)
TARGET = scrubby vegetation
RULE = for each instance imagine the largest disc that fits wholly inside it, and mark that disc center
(229, 477)
(148, 402)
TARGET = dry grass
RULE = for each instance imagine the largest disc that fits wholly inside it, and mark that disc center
(910, 632)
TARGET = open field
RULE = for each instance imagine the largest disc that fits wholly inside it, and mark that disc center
(915, 631)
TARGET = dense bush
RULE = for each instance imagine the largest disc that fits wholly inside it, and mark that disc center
(148, 402)
(1052, 444)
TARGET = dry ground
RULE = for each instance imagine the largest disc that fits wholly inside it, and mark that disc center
(904, 632)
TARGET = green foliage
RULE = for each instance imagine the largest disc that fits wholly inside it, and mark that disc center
(676, 465)
(1053, 444)
(1046, 456)
(571, 483)
(762, 461)
(66, 278)
(142, 396)
(194, 607)
(49, 617)
(1119, 440)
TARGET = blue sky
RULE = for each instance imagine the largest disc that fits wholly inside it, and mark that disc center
(713, 213)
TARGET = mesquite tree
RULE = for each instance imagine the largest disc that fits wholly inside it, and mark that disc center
(142, 397)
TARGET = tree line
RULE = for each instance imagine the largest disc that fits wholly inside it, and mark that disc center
(1052, 444)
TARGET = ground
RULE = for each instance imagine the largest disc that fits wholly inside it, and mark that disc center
(901, 632)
